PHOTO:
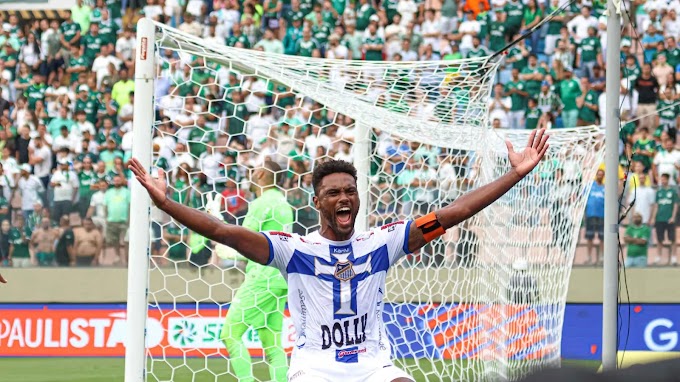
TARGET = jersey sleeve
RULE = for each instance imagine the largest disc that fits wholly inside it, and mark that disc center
(395, 236)
(281, 248)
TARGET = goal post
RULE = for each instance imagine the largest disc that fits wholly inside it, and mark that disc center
(140, 205)
(485, 301)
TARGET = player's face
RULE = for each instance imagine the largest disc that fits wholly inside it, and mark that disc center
(338, 204)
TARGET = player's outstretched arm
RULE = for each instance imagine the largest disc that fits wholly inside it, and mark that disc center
(250, 244)
(427, 228)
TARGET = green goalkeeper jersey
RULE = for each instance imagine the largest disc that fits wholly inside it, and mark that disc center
(269, 212)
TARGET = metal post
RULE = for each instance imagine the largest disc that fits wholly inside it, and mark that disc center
(611, 207)
(138, 266)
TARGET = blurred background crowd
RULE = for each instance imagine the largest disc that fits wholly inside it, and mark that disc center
(67, 94)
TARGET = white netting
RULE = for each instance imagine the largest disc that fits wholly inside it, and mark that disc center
(484, 302)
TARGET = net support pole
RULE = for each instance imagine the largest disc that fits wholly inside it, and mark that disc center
(138, 266)
(362, 161)
(611, 207)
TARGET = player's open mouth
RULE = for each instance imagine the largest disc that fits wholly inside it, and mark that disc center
(344, 215)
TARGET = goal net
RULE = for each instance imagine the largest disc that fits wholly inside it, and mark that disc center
(484, 302)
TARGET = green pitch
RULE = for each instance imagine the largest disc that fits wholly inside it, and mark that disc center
(111, 370)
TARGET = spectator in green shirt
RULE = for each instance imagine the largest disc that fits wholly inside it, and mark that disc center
(589, 53)
(588, 104)
(373, 44)
(19, 239)
(570, 90)
(644, 149)
(637, 239)
(533, 75)
(516, 89)
(663, 215)
(81, 14)
(533, 114)
(117, 202)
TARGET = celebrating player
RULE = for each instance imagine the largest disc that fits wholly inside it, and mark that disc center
(336, 276)
(261, 299)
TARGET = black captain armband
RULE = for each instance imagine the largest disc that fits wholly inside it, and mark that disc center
(430, 226)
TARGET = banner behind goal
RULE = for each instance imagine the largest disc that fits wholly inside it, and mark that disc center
(484, 302)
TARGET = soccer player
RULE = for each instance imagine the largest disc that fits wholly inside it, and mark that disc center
(261, 299)
(336, 276)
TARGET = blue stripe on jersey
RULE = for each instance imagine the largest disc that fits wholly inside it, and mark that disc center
(271, 249)
(407, 234)
(305, 264)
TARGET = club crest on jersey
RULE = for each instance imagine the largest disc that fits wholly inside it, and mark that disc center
(344, 271)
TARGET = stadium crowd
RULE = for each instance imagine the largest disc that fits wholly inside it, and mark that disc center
(66, 108)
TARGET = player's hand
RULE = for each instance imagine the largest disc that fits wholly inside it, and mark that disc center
(157, 188)
(526, 160)
(2, 280)
(214, 205)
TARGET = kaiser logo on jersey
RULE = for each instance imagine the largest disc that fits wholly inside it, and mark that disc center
(344, 250)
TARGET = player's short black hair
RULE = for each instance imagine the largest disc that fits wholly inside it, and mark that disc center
(331, 167)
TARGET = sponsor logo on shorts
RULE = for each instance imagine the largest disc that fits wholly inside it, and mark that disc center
(348, 352)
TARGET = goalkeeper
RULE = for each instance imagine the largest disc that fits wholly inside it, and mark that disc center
(260, 301)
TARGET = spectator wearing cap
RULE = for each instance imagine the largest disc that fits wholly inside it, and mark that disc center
(570, 90)
(87, 104)
(30, 189)
(65, 185)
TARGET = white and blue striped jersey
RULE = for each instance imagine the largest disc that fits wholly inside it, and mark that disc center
(335, 293)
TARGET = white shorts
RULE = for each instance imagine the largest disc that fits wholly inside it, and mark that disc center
(386, 373)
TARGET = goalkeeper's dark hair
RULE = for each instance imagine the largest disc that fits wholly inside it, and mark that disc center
(331, 167)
